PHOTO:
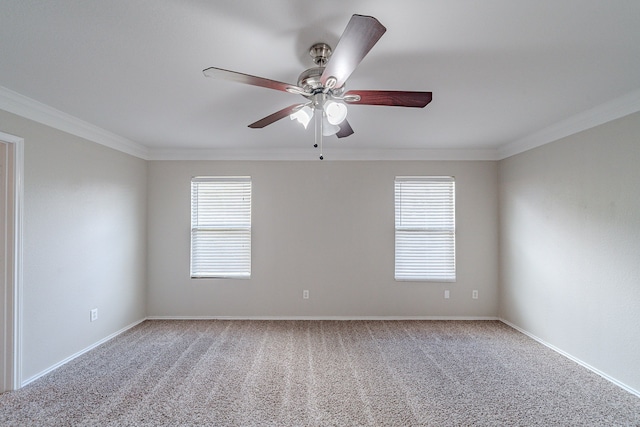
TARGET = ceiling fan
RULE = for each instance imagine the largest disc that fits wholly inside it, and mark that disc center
(323, 86)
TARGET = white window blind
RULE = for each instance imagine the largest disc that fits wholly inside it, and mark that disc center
(221, 227)
(425, 229)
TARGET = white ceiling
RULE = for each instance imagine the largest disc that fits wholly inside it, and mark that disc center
(503, 73)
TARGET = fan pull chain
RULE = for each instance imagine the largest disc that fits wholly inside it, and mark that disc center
(318, 130)
(321, 136)
(315, 128)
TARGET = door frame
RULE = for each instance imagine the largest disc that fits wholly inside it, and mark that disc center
(14, 246)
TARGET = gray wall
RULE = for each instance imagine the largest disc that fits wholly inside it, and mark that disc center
(84, 242)
(323, 226)
(570, 246)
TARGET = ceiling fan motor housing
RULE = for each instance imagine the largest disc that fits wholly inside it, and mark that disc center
(309, 80)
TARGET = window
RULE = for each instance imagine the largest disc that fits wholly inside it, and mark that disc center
(221, 227)
(425, 228)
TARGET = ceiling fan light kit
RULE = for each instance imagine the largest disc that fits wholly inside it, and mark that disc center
(324, 85)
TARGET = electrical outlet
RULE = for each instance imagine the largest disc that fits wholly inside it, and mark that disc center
(446, 294)
(474, 294)
(94, 314)
(305, 294)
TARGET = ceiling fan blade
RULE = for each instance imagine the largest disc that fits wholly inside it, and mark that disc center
(275, 116)
(394, 98)
(345, 129)
(234, 76)
(360, 35)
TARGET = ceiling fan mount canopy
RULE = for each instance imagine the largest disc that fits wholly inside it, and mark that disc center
(320, 52)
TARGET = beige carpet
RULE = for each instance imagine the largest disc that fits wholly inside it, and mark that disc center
(320, 373)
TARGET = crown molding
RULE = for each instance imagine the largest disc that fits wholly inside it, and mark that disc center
(614, 109)
(21, 105)
(333, 154)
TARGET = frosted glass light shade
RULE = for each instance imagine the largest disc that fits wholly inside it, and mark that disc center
(336, 112)
(303, 115)
(328, 129)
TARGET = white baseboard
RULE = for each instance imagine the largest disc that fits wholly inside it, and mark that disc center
(322, 318)
(80, 353)
(574, 359)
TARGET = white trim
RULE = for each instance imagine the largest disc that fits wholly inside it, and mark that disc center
(329, 155)
(11, 138)
(16, 103)
(18, 165)
(15, 350)
(614, 109)
(322, 318)
(573, 358)
(80, 353)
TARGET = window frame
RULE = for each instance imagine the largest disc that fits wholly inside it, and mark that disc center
(434, 238)
(234, 229)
